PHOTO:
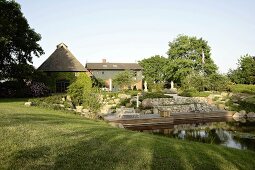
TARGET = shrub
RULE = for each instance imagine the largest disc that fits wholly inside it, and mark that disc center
(92, 101)
(80, 88)
(242, 88)
(23, 89)
(195, 81)
(48, 102)
(248, 104)
(218, 82)
(157, 87)
(38, 89)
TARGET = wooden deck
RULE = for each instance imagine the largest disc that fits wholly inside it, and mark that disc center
(152, 122)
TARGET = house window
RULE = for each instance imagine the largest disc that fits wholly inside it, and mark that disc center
(135, 73)
(61, 86)
(102, 72)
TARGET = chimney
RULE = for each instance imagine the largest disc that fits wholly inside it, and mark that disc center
(103, 60)
(61, 45)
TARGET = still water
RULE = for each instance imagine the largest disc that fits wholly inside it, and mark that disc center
(234, 134)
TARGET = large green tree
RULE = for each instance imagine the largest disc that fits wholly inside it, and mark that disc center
(124, 79)
(18, 42)
(152, 68)
(245, 72)
(188, 54)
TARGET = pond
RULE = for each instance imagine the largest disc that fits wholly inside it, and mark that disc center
(230, 133)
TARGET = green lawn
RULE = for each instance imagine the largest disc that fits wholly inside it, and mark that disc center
(37, 138)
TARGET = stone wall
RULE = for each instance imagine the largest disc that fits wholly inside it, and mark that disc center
(180, 104)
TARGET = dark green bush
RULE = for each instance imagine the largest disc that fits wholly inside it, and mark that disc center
(248, 104)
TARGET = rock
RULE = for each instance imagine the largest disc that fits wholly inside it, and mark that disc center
(240, 119)
(128, 105)
(116, 101)
(146, 103)
(251, 115)
(239, 115)
(28, 104)
(111, 102)
(242, 112)
(155, 111)
(224, 94)
(122, 96)
(61, 105)
(63, 99)
(221, 106)
(85, 110)
(148, 112)
(230, 94)
(68, 98)
(79, 109)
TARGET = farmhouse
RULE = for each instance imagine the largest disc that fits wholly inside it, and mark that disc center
(107, 71)
(62, 67)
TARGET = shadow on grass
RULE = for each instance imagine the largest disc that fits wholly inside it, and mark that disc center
(10, 100)
(21, 119)
(100, 148)
(86, 144)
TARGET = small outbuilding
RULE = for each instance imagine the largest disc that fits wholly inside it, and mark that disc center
(63, 64)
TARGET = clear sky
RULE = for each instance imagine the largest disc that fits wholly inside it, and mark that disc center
(130, 30)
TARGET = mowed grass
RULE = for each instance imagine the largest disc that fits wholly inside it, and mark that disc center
(37, 138)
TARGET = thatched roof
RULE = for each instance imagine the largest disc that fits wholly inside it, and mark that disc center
(113, 66)
(62, 60)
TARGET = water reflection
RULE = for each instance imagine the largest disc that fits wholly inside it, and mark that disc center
(238, 135)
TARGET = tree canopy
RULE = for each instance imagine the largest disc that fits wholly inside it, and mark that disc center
(18, 42)
(245, 72)
(153, 68)
(188, 54)
(124, 79)
(194, 49)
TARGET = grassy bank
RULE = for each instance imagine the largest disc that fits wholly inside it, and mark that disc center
(36, 138)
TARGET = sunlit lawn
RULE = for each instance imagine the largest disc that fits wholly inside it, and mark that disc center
(37, 138)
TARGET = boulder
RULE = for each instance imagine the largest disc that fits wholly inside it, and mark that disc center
(224, 94)
(243, 112)
(124, 96)
(116, 101)
(28, 104)
(61, 105)
(148, 112)
(111, 102)
(221, 106)
(68, 98)
(240, 119)
(85, 110)
(251, 115)
(147, 103)
(239, 115)
(155, 111)
(79, 109)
